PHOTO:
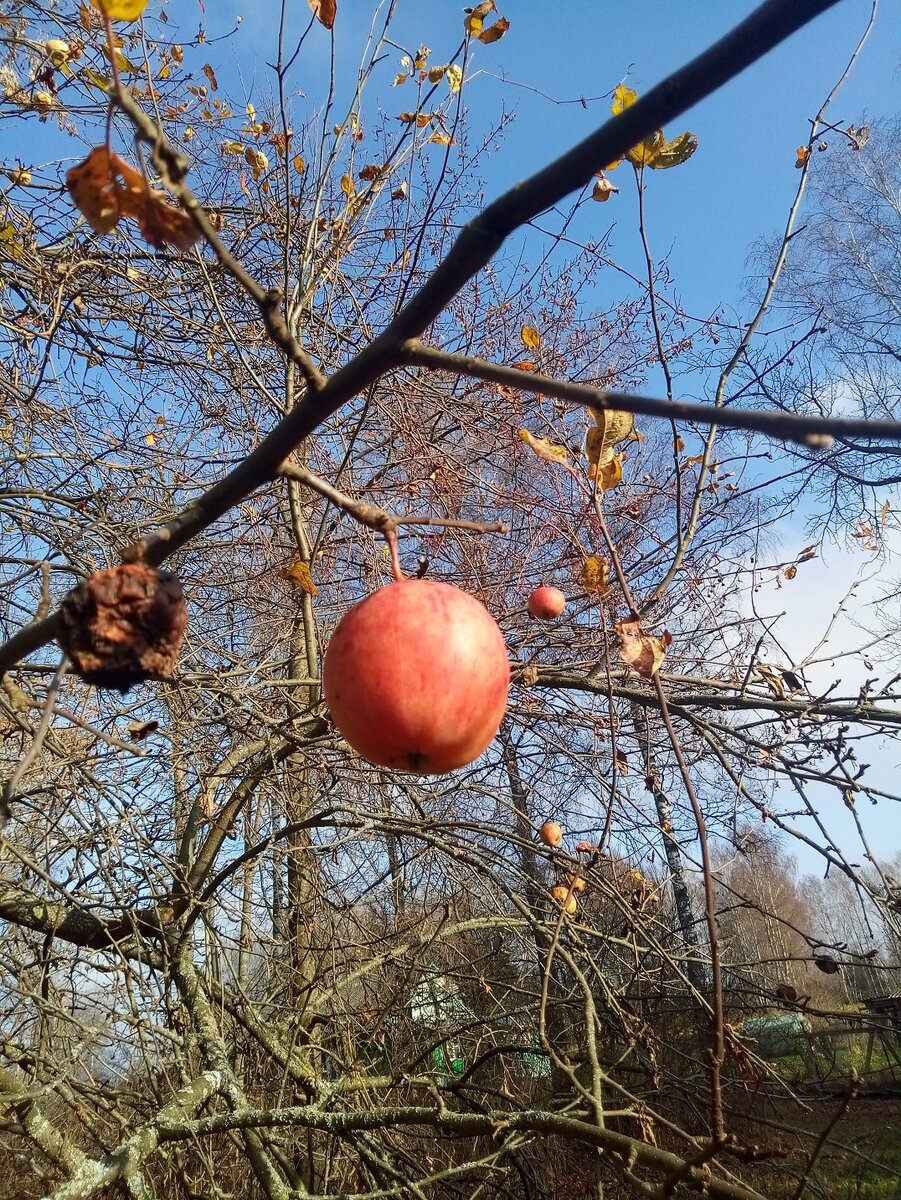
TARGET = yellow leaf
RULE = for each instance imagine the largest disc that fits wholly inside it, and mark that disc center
(791, 572)
(440, 138)
(347, 185)
(454, 76)
(474, 20)
(653, 151)
(531, 338)
(92, 78)
(121, 10)
(124, 65)
(299, 574)
(22, 176)
(886, 506)
(595, 575)
(545, 449)
(672, 154)
(58, 51)
(150, 439)
(436, 74)
(399, 79)
(611, 427)
(256, 160)
(623, 98)
(232, 148)
(608, 472)
(639, 650)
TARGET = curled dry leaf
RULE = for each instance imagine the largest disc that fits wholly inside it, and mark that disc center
(124, 625)
(299, 574)
(106, 188)
(474, 20)
(324, 11)
(454, 76)
(595, 575)
(138, 730)
(611, 427)
(545, 449)
(801, 157)
(603, 189)
(494, 32)
(639, 650)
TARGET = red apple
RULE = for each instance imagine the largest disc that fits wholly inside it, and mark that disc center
(545, 603)
(416, 677)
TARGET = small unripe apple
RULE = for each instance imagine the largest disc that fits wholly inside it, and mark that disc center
(416, 677)
(576, 882)
(564, 898)
(551, 833)
(545, 603)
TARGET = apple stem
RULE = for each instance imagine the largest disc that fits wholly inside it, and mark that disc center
(391, 539)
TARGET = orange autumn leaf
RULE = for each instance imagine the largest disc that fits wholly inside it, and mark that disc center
(299, 574)
(494, 32)
(803, 154)
(162, 224)
(106, 188)
(324, 11)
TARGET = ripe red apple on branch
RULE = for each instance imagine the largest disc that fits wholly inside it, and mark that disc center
(545, 603)
(416, 677)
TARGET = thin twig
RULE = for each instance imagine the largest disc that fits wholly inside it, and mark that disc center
(371, 515)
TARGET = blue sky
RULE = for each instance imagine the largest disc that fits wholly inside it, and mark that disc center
(707, 213)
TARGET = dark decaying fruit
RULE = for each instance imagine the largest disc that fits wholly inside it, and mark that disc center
(124, 625)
